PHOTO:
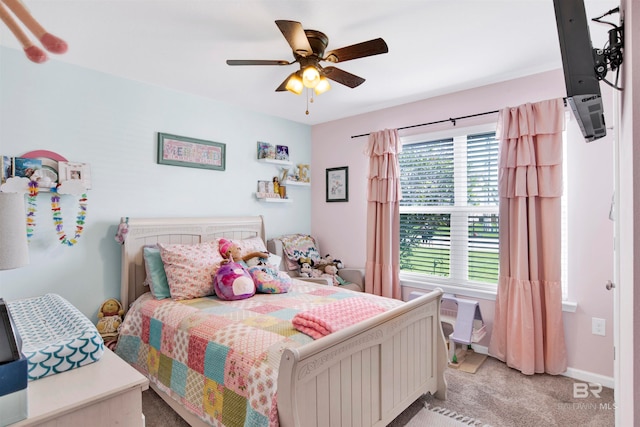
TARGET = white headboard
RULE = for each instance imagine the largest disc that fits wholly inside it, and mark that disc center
(148, 231)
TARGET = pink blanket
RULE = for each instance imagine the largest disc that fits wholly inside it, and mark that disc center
(321, 321)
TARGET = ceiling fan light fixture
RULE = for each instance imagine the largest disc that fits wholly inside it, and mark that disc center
(322, 86)
(294, 85)
(310, 77)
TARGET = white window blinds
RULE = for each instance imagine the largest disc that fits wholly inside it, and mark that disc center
(449, 208)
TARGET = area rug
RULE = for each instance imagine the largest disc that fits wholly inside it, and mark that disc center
(440, 417)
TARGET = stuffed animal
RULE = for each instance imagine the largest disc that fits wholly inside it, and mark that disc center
(258, 259)
(329, 260)
(230, 251)
(109, 319)
(233, 282)
(337, 263)
(331, 272)
(305, 261)
(269, 280)
(305, 270)
(50, 42)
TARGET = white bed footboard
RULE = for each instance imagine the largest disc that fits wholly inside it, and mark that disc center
(364, 375)
(367, 374)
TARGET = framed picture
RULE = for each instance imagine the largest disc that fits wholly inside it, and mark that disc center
(263, 186)
(69, 171)
(266, 150)
(190, 152)
(338, 184)
(25, 168)
(282, 152)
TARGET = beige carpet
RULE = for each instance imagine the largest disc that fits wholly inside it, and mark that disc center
(503, 397)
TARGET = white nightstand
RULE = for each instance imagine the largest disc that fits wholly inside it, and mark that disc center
(105, 393)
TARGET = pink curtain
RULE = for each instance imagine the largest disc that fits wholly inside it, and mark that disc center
(382, 269)
(528, 332)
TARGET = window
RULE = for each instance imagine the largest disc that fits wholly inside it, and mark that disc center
(449, 209)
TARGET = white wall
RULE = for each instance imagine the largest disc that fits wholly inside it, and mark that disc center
(111, 123)
(628, 286)
(341, 226)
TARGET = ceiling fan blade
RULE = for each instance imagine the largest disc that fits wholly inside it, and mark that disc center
(342, 77)
(283, 86)
(296, 37)
(360, 50)
(256, 62)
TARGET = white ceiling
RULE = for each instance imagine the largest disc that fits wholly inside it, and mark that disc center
(435, 47)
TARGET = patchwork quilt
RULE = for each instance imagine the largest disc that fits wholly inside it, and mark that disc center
(220, 359)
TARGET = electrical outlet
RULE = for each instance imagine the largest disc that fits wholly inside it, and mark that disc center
(598, 326)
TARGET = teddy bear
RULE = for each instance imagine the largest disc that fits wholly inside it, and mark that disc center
(109, 319)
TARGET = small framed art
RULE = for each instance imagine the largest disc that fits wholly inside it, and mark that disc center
(190, 152)
(266, 150)
(282, 152)
(70, 171)
(338, 184)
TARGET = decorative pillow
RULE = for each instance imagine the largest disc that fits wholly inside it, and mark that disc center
(233, 282)
(298, 246)
(274, 260)
(269, 280)
(156, 276)
(252, 244)
(190, 268)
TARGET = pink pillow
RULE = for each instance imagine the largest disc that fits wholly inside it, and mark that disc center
(190, 268)
(252, 244)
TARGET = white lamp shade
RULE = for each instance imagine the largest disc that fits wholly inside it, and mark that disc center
(14, 250)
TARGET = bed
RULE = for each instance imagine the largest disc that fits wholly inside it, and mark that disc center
(363, 375)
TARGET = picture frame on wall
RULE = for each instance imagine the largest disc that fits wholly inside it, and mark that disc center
(188, 152)
(71, 171)
(337, 184)
(266, 150)
(282, 153)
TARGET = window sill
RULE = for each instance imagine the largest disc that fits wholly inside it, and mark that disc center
(490, 295)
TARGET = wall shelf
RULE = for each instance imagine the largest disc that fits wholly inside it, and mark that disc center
(277, 162)
(296, 183)
(273, 200)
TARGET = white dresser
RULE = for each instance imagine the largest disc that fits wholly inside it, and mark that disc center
(105, 393)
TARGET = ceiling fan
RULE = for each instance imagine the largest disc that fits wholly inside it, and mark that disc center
(308, 48)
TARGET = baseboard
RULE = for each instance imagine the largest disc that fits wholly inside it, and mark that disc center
(479, 348)
(590, 377)
(576, 374)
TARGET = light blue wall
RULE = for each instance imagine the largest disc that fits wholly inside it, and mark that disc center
(112, 123)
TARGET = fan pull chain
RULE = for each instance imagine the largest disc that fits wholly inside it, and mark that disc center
(307, 112)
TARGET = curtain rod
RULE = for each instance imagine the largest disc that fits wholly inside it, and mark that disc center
(451, 119)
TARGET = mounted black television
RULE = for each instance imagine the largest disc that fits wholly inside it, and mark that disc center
(583, 87)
